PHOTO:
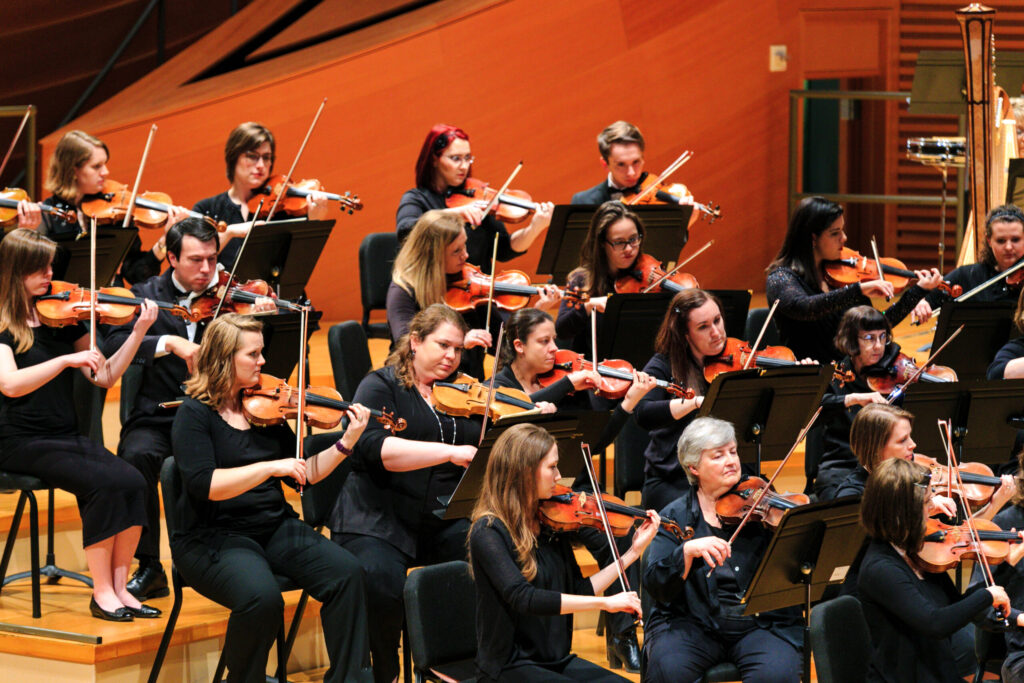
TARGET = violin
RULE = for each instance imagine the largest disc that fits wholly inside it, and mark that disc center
(616, 375)
(273, 401)
(674, 193)
(9, 199)
(149, 211)
(466, 396)
(240, 298)
(733, 506)
(979, 481)
(513, 206)
(68, 303)
(945, 546)
(902, 370)
(851, 267)
(512, 290)
(568, 510)
(294, 201)
(646, 271)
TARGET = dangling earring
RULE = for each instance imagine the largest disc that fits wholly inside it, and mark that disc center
(412, 353)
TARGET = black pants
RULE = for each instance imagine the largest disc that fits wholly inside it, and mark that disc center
(146, 448)
(660, 491)
(685, 651)
(1013, 667)
(239, 574)
(576, 670)
(386, 567)
(109, 491)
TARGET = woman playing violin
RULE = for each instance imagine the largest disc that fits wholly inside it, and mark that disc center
(237, 531)
(528, 583)
(912, 613)
(697, 621)
(38, 431)
(809, 308)
(1004, 247)
(249, 156)
(386, 513)
(1009, 360)
(443, 166)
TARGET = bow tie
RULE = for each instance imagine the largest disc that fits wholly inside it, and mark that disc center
(624, 191)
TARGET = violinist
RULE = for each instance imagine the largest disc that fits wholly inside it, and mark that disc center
(77, 171)
(697, 621)
(528, 583)
(38, 432)
(167, 357)
(249, 156)
(444, 164)
(809, 308)
(912, 613)
(385, 516)
(237, 531)
(1004, 247)
(1009, 360)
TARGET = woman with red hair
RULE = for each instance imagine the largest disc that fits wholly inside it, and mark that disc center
(444, 164)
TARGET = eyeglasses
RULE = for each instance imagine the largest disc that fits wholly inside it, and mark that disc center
(871, 338)
(256, 157)
(458, 159)
(620, 245)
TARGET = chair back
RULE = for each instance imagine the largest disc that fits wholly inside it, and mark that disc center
(350, 356)
(630, 445)
(440, 611)
(131, 384)
(755, 321)
(318, 500)
(173, 494)
(840, 640)
(377, 254)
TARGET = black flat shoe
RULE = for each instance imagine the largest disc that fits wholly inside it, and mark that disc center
(149, 582)
(144, 612)
(120, 614)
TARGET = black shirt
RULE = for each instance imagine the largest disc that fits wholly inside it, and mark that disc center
(573, 322)
(48, 410)
(969, 277)
(1008, 576)
(220, 208)
(518, 621)
(654, 414)
(1012, 350)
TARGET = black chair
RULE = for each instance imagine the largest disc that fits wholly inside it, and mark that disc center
(440, 611)
(840, 640)
(131, 383)
(350, 356)
(755, 321)
(376, 257)
(630, 445)
(989, 647)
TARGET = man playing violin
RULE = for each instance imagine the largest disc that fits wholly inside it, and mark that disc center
(166, 357)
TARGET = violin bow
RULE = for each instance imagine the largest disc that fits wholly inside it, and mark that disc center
(878, 262)
(92, 289)
(238, 258)
(490, 291)
(672, 272)
(138, 178)
(490, 389)
(898, 391)
(298, 155)
(21, 127)
(300, 416)
(672, 168)
(760, 335)
(497, 196)
(759, 496)
(983, 286)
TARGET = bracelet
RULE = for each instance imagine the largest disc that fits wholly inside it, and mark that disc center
(341, 448)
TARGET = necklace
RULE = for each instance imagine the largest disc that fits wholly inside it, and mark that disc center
(440, 428)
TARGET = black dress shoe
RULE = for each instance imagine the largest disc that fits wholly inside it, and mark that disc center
(120, 614)
(144, 612)
(148, 582)
(623, 650)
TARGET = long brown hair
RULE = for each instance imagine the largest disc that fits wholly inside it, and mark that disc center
(892, 509)
(671, 340)
(812, 217)
(22, 252)
(422, 325)
(593, 260)
(871, 430)
(215, 366)
(419, 266)
(509, 492)
(73, 150)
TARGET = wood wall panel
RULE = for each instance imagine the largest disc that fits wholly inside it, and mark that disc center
(528, 79)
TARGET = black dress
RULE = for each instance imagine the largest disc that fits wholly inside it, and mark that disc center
(230, 550)
(39, 436)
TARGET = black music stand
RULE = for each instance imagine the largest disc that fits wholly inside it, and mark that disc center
(980, 411)
(281, 341)
(940, 80)
(71, 262)
(629, 326)
(569, 431)
(666, 225)
(767, 407)
(1015, 183)
(735, 306)
(987, 327)
(812, 547)
(284, 254)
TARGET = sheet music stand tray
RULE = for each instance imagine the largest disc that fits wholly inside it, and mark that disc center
(809, 550)
(284, 254)
(988, 325)
(569, 431)
(281, 341)
(71, 262)
(666, 226)
(767, 407)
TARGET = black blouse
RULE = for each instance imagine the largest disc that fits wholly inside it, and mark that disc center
(220, 208)
(654, 414)
(969, 277)
(518, 621)
(573, 322)
(1012, 350)
(398, 507)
